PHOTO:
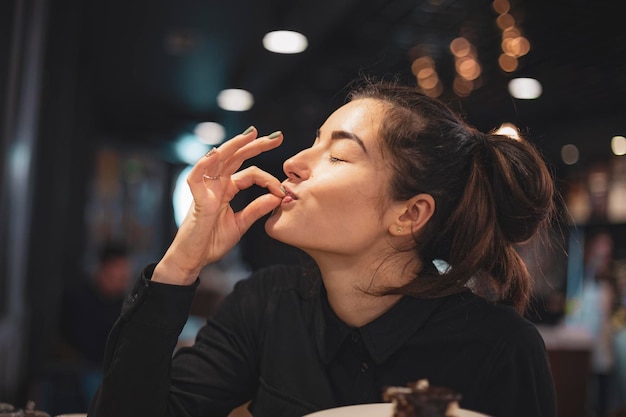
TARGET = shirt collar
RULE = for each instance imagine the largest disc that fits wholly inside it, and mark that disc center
(383, 336)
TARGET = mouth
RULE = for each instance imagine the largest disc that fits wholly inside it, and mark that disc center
(289, 195)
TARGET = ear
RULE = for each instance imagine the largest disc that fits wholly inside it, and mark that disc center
(412, 215)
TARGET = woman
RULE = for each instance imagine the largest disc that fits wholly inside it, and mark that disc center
(411, 217)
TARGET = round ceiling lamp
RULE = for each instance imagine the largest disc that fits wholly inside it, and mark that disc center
(618, 145)
(510, 130)
(285, 42)
(525, 88)
(211, 133)
(235, 99)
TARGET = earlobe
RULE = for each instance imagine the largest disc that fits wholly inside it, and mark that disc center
(396, 230)
(415, 214)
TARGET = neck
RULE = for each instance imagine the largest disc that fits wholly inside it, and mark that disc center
(351, 287)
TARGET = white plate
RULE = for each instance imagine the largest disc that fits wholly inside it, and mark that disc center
(373, 410)
(72, 415)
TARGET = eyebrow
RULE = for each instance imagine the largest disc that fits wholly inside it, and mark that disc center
(342, 134)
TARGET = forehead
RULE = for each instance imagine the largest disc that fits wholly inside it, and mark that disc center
(361, 117)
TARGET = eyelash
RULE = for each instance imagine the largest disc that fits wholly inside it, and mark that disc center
(334, 160)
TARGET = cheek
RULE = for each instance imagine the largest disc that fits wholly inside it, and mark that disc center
(348, 206)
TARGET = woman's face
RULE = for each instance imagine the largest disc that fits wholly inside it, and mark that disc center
(337, 200)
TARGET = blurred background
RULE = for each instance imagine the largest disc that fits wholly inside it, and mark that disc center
(105, 104)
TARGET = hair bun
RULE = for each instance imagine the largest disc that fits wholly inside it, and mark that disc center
(523, 188)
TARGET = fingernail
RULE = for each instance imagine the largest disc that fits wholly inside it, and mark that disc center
(282, 188)
(274, 135)
(248, 130)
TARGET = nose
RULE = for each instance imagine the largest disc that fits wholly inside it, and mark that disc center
(298, 166)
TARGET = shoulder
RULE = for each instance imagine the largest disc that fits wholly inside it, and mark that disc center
(509, 342)
(491, 322)
(510, 334)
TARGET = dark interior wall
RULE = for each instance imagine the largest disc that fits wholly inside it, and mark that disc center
(69, 135)
(22, 56)
(7, 11)
(62, 158)
(9, 309)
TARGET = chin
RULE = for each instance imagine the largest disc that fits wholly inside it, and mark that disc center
(279, 230)
(272, 228)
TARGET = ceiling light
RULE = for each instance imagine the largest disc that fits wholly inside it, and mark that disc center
(501, 6)
(181, 197)
(505, 21)
(525, 88)
(235, 99)
(569, 154)
(462, 87)
(510, 130)
(507, 63)
(285, 42)
(618, 145)
(188, 149)
(210, 133)
(460, 47)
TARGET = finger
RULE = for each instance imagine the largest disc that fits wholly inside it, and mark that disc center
(256, 176)
(228, 148)
(212, 163)
(260, 145)
(259, 207)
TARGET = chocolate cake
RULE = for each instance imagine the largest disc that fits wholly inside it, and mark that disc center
(419, 399)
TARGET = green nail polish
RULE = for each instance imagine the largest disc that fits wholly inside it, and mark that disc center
(275, 135)
(282, 188)
(248, 130)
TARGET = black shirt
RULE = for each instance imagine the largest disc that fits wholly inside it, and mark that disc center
(275, 341)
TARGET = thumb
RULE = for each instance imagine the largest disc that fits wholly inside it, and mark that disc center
(258, 208)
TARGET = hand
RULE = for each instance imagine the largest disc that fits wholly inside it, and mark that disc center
(211, 228)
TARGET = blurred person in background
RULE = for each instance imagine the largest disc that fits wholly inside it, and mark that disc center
(88, 311)
(411, 218)
(598, 304)
(90, 308)
(617, 397)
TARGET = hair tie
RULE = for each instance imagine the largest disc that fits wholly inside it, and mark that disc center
(483, 147)
(481, 137)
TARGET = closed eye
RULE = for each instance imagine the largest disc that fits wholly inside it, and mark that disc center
(334, 160)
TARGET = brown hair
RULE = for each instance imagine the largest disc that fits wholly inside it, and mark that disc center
(491, 192)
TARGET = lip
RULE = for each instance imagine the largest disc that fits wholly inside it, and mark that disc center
(289, 195)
